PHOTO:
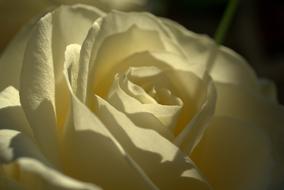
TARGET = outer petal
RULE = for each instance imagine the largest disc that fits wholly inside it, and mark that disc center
(22, 166)
(11, 112)
(229, 67)
(160, 159)
(248, 106)
(37, 90)
(235, 155)
(42, 73)
(14, 145)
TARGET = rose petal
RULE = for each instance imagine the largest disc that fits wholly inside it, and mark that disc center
(42, 72)
(37, 88)
(84, 62)
(176, 79)
(91, 153)
(15, 145)
(229, 67)
(190, 136)
(234, 155)
(11, 112)
(160, 159)
(23, 165)
(123, 35)
(252, 107)
(154, 116)
(67, 31)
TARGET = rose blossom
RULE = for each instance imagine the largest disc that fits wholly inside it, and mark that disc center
(91, 100)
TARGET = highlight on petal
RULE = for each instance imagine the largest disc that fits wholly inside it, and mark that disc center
(12, 115)
(66, 31)
(42, 73)
(162, 161)
(15, 145)
(235, 155)
(37, 88)
(84, 62)
(161, 118)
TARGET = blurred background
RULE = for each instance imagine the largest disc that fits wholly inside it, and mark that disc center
(257, 30)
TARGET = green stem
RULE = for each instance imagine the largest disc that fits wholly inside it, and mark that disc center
(221, 33)
(226, 21)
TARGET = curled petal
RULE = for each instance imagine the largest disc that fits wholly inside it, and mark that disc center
(123, 35)
(90, 152)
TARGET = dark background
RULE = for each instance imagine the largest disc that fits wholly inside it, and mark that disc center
(256, 32)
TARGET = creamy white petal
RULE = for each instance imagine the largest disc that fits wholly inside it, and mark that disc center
(229, 67)
(11, 112)
(37, 88)
(160, 159)
(235, 155)
(124, 34)
(91, 153)
(153, 116)
(246, 105)
(71, 66)
(22, 165)
(184, 80)
(42, 72)
(190, 136)
(15, 145)
(70, 25)
(84, 61)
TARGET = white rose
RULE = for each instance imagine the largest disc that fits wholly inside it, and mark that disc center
(90, 100)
